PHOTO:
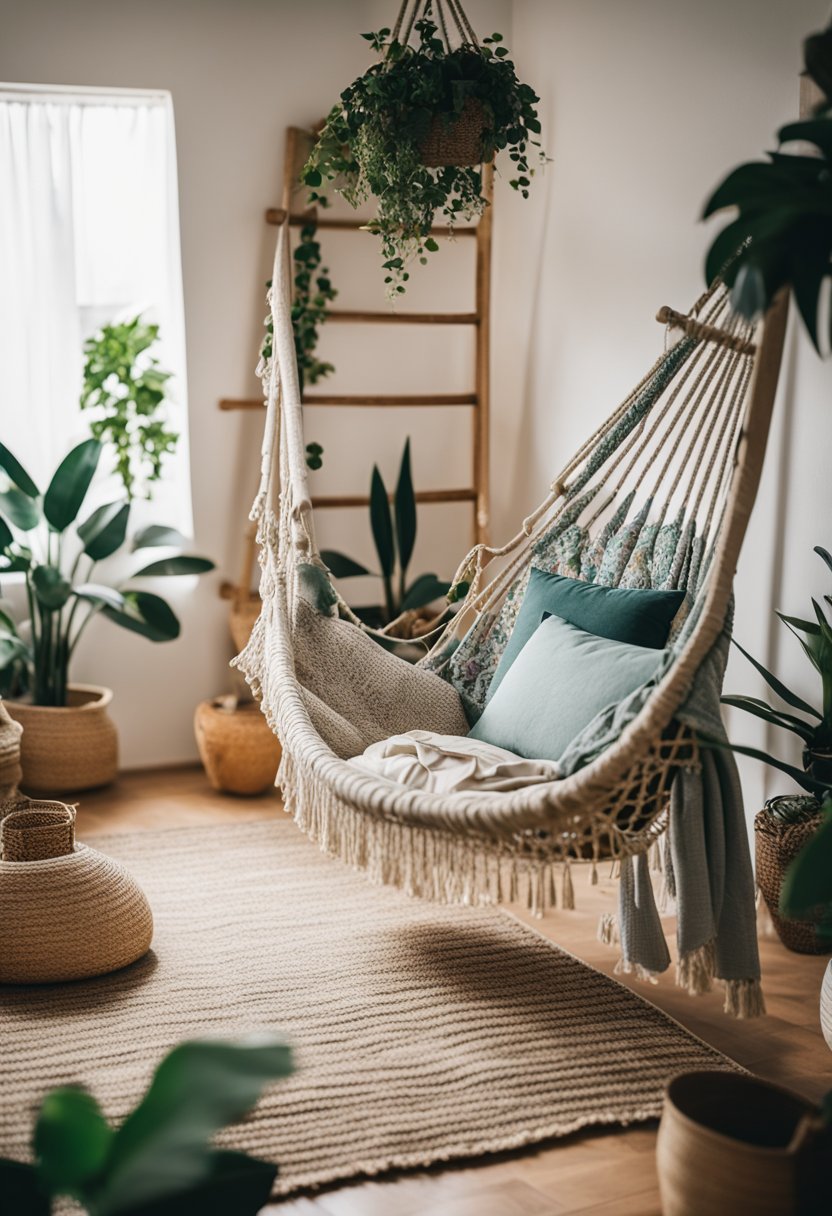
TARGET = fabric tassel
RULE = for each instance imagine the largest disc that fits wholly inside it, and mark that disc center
(695, 970)
(744, 998)
(593, 874)
(568, 900)
(608, 929)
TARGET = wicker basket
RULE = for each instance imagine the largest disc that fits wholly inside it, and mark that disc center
(67, 912)
(241, 619)
(730, 1143)
(70, 748)
(456, 143)
(237, 747)
(777, 845)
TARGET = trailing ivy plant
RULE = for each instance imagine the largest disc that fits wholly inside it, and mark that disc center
(394, 536)
(126, 390)
(782, 234)
(313, 291)
(160, 1161)
(371, 142)
(41, 538)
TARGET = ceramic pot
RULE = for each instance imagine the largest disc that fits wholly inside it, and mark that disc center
(732, 1143)
(236, 745)
(826, 1005)
(69, 748)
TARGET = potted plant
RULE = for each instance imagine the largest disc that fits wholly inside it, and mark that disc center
(161, 1160)
(69, 742)
(787, 823)
(406, 602)
(414, 129)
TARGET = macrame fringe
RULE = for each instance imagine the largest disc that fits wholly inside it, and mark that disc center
(744, 998)
(608, 929)
(695, 969)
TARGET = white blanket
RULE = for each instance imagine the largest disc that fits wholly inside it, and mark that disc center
(448, 764)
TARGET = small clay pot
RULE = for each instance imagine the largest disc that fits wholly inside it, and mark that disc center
(238, 750)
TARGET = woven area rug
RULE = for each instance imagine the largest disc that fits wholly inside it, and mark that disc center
(422, 1033)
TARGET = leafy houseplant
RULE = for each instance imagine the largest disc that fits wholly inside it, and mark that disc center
(125, 389)
(376, 140)
(160, 1161)
(56, 563)
(783, 232)
(394, 536)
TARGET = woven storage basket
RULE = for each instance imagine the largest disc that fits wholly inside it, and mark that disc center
(65, 749)
(777, 844)
(458, 142)
(237, 747)
(10, 771)
(67, 912)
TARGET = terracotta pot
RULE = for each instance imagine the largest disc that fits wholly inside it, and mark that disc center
(71, 748)
(236, 745)
(455, 143)
(732, 1143)
(826, 1005)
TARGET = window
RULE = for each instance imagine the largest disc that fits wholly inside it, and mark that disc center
(89, 234)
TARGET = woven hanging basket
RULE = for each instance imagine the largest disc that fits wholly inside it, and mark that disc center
(69, 748)
(457, 143)
(777, 845)
(67, 912)
(238, 750)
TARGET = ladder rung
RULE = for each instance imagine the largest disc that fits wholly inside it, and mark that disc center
(276, 215)
(359, 400)
(361, 500)
(404, 318)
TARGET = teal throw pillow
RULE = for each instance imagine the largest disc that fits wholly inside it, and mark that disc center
(561, 679)
(640, 616)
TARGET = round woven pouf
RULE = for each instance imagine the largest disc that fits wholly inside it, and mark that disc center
(67, 912)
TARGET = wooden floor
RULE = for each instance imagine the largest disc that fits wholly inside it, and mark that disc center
(597, 1174)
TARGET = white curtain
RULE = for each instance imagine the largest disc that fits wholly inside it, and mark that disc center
(89, 234)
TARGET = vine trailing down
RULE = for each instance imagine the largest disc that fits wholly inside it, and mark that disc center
(373, 142)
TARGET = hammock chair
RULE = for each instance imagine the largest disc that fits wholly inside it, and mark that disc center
(659, 496)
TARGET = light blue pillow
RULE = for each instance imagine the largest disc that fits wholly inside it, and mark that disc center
(560, 680)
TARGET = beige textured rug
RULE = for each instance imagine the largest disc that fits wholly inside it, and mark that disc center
(422, 1033)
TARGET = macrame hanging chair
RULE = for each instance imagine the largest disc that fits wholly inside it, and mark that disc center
(659, 496)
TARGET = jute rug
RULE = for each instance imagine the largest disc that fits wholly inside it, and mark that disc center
(422, 1033)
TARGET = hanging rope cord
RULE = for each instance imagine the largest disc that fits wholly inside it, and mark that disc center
(409, 13)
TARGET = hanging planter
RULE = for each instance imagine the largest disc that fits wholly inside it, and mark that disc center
(413, 131)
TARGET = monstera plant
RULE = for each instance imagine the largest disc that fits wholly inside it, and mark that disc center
(54, 547)
(160, 1160)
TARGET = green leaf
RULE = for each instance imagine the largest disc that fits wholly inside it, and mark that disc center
(100, 595)
(157, 535)
(316, 588)
(797, 774)
(796, 622)
(24, 512)
(825, 554)
(431, 245)
(405, 511)
(68, 488)
(235, 1184)
(20, 1190)
(424, 590)
(174, 565)
(7, 623)
(104, 531)
(164, 1145)
(748, 295)
(51, 588)
(808, 881)
(6, 537)
(761, 710)
(817, 131)
(16, 472)
(382, 523)
(145, 614)
(72, 1140)
(342, 566)
(779, 687)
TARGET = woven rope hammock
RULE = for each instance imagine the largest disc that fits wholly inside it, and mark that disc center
(658, 496)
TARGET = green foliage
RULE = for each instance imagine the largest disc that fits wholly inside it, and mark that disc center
(370, 144)
(127, 389)
(394, 537)
(160, 1161)
(57, 555)
(782, 234)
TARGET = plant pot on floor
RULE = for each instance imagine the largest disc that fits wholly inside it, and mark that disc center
(238, 750)
(69, 748)
(732, 1143)
(780, 832)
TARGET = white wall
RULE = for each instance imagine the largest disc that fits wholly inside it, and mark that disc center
(646, 106)
(240, 71)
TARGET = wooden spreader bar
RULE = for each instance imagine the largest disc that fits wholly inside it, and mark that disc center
(698, 329)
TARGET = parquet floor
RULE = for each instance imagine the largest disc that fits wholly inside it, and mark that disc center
(598, 1174)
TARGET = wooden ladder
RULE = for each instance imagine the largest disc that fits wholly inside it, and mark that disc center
(298, 145)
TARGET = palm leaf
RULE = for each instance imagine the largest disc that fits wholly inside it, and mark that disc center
(405, 512)
(774, 717)
(791, 698)
(382, 523)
